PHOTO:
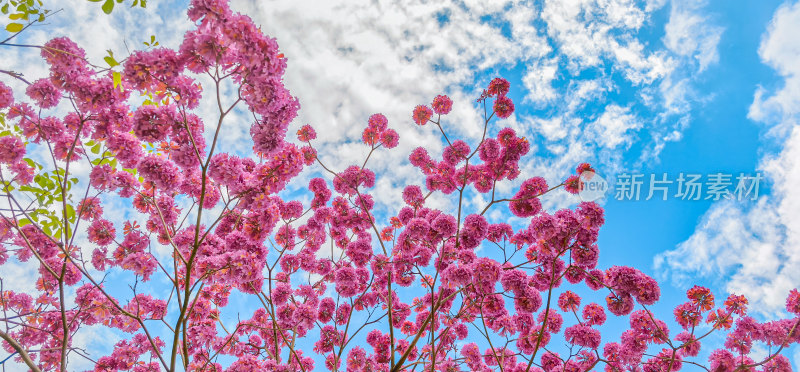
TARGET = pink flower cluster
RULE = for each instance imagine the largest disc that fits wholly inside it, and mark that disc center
(335, 285)
(377, 132)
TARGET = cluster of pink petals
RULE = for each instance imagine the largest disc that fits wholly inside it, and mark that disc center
(430, 281)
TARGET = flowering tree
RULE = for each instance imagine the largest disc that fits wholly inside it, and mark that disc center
(337, 287)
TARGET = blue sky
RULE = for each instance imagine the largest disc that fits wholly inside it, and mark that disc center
(648, 87)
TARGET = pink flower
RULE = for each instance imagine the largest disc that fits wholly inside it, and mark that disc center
(422, 114)
(370, 136)
(442, 104)
(44, 93)
(306, 133)
(90, 208)
(101, 232)
(619, 305)
(6, 97)
(498, 87)
(12, 149)
(569, 301)
(779, 363)
(572, 184)
(153, 124)
(268, 136)
(582, 335)
(390, 138)
(378, 122)
(456, 153)
(412, 195)
(162, 172)
(690, 346)
(793, 302)
(722, 360)
(489, 150)
(23, 172)
(126, 148)
(583, 167)
(503, 106)
(594, 314)
(102, 177)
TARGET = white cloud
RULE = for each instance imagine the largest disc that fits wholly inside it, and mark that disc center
(779, 49)
(753, 248)
(538, 80)
(612, 127)
(690, 34)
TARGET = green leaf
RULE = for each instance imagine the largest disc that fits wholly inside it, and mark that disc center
(4, 9)
(16, 16)
(111, 61)
(96, 149)
(70, 213)
(117, 80)
(108, 6)
(14, 27)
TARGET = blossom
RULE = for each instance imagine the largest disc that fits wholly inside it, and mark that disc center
(582, 335)
(101, 232)
(412, 195)
(162, 172)
(569, 301)
(126, 147)
(594, 314)
(503, 107)
(102, 177)
(378, 122)
(442, 104)
(6, 97)
(151, 123)
(44, 93)
(306, 133)
(687, 315)
(572, 184)
(722, 360)
(90, 208)
(690, 346)
(793, 302)
(390, 138)
(498, 87)
(583, 167)
(12, 149)
(370, 136)
(422, 114)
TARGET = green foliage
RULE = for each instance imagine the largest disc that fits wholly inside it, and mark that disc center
(152, 42)
(48, 190)
(108, 5)
(20, 12)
